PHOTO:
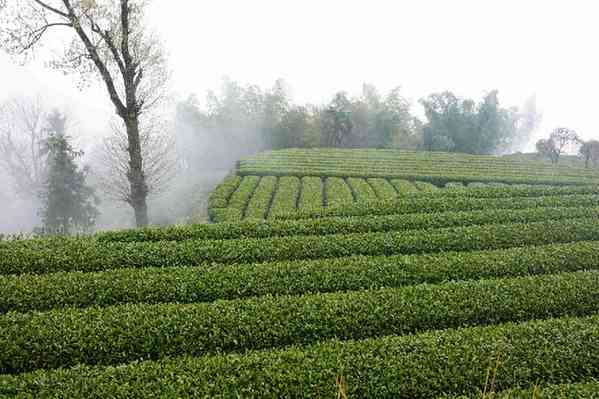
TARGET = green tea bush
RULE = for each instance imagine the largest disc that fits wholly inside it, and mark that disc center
(66, 337)
(259, 203)
(71, 254)
(311, 193)
(382, 188)
(345, 225)
(363, 191)
(409, 204)
(285, 198)
(28, 292)
(415, 366)
(337, 192)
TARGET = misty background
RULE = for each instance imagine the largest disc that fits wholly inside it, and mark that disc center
(233, 63)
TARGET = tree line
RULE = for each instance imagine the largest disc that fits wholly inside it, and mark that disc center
(258, 119)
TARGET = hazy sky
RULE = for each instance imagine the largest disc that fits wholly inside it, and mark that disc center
(522, 48)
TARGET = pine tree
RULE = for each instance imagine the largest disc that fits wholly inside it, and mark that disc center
(68, 203)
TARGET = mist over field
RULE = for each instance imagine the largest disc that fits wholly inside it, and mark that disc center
(232, 95)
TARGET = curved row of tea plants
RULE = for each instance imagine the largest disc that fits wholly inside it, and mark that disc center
(337, 193)
(66, 337)
(46, 256)
(444, 203)
(415, 366)
(348, 224)
(414, 166)
(24, 293)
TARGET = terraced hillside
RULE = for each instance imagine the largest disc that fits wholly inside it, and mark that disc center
(279, 184)
(360, 288)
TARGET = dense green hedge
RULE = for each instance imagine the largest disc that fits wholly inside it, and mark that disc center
(415, 366)
(403, 186)
(286, 197)
(342, 202)
(337, 192)
(219, 198)
(416, 204)
(71, 254)
(124, 333)
(240, 198)
(425, 186)
(345, 225)
(24, 293)
(582, 390)
(382, 188)
(433, 167)
(361, 189)
(259, 204)
(311, 193)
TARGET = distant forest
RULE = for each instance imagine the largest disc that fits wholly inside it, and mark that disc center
(247, 119)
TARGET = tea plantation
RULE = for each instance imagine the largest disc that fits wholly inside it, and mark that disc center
(327, 274)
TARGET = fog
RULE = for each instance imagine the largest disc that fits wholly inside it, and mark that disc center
(536, 48)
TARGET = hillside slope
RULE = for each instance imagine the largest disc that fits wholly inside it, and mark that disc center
(333, 285)
(275, 183)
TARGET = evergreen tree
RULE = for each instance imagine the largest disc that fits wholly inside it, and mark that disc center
(68, 203)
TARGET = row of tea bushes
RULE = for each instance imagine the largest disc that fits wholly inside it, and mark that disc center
(286, 196)
(419, 204)
(452, 361)
(346, 225)
(259, 204)
(66, 337)
(71, 254)
(24, 293)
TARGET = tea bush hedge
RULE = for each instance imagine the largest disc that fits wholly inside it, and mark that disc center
(125, 333)
(426, 365)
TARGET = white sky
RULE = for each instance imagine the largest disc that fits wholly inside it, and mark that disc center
(524, 47)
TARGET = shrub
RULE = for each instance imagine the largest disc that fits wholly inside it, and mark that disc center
(415, 366)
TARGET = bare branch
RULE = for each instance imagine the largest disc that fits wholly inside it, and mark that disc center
(50, 8)
(93, 52)
(37, 34)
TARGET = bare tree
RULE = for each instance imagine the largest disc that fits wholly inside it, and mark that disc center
(108, 40)
(158, 153)
(23, 130)
(562, 137)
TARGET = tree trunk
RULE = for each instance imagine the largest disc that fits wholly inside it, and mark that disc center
(137, 179)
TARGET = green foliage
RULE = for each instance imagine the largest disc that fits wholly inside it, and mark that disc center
(345, 225)
(219, 197)
(71, 254)
(259, 203)
(414, 366)
(337, 192)
(68, 203)
(443, 203)
(581, 390)
(361, 189)
(301, 298)
(460, 125)
(403, 186)
(438, 168)
(311, 193)
(285, 199)
(425, 186)
(68, 337)
(382, 188)
(241, 197)
(24, 293)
